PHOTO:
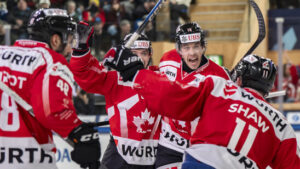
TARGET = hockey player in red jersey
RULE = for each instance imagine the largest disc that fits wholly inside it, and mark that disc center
(237, 127)
(182, 64)
(36, 69)
(134, 129)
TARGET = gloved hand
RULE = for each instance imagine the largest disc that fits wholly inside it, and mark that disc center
(85, 38)
(87, 150)
(125, 62)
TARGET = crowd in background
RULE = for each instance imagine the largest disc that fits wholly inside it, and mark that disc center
(112, 19)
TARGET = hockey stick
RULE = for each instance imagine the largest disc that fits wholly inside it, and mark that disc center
(141, 28)
(28, 108)
(276, 94)
(261, 29)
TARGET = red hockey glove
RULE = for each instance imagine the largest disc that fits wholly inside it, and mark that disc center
(125, 62)
(85, 38)
(87, 150)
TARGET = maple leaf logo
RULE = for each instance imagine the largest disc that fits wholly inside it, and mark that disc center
(229, 89)
(142, 120)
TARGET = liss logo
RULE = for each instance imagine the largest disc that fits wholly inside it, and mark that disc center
(229, 89)
(143, 122)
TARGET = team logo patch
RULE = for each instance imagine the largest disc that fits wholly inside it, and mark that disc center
(195, 37)
(251, 59)
(143, 122)
(140, 44)
(266, 65)
(229, 89)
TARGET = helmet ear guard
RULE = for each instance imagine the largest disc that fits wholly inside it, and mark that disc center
(256, 72)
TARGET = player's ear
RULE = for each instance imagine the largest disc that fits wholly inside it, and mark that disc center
(239, 81)
(55, 41)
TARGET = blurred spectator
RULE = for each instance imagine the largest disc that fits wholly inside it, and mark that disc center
(125, 28)
(71, 10)
(178, 9)
(57, 3)
(99, 39)
(84, 103)
(291, 75)
(43, 4)
(2, 33)
(106, 5)
(92, 12)
(149, 30)
(113, 19)
(18, 18)
(128, 6)
(143, 9)
(3, 11)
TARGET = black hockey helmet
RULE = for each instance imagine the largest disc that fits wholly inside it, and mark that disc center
(256, 72)
(43, 23)
(142, 42)
(189, 32)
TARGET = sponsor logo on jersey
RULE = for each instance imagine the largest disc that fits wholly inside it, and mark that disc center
(142, 151)
(17, 59)
(15, 155)
(245, 161)
(171, 137)
(195, 37)
(143, 122)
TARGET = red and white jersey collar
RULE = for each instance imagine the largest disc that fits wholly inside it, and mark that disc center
(31, 43)
(255, 93)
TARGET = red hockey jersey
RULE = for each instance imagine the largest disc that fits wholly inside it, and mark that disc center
(42, 78)
(134, 128)
(237, 127)
(175, 133)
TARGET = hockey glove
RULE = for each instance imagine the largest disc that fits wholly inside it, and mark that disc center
(85, 35)
(87, 150)
(125, 62)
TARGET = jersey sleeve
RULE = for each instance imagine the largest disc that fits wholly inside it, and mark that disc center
(288, 155)
(173, 99)
(51, 98)
(91, 76)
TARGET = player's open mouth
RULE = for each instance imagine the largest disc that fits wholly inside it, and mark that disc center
(193, 60)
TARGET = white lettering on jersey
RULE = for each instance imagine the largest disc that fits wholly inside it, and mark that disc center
(279, 122)
(240, 109)
(13, 80)
(21, 59)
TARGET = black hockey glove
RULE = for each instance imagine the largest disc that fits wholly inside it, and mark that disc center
(87, 150)
(125, 62)
(85, 39)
